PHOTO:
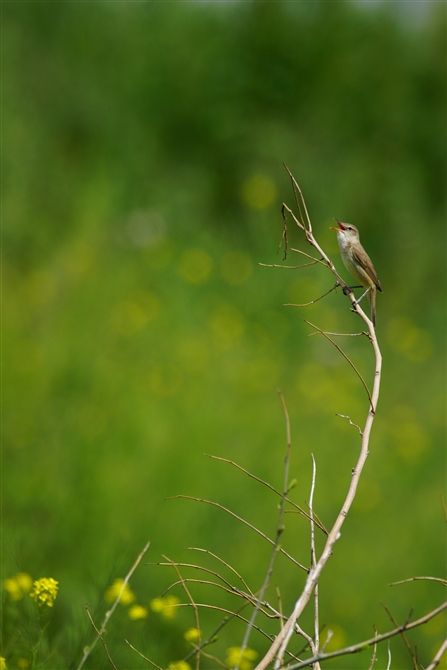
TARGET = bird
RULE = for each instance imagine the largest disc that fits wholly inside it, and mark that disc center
(358, 263)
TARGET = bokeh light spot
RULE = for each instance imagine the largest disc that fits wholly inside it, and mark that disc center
(195, 266)
(259, 191)
(236, 267)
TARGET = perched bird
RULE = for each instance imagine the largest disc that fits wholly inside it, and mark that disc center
(358, 263)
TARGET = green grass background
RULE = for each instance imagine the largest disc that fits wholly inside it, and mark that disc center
(142, 183)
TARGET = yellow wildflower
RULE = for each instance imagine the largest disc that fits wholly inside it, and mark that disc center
(22, 664)
(18, 586)
(44, 591)
(127, 595)
(138, 612)
(166, 606)
(2, 663)
(192, 634)
(179, 665)
(243, 658)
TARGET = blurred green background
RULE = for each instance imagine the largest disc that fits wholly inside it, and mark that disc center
(142, 183)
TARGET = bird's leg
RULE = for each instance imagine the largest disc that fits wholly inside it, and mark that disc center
(356, 302)
(348, 289)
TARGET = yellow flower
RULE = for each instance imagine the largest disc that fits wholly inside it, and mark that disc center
(192, 634)
(138, 612)
(179, 665)
(2, 663)
(44, 591)
(22, 664)
(166, 606)
(18, 586)
(236, 656)
(127, 595)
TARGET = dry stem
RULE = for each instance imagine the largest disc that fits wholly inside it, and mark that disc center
(278, 648)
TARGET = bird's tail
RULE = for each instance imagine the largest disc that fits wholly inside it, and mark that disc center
(372, 301)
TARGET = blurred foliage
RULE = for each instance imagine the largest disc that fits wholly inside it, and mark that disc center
(142, 181)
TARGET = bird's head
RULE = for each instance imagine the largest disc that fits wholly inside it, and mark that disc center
(347, 231)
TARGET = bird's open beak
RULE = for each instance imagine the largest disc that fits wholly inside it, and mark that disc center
(342, 227)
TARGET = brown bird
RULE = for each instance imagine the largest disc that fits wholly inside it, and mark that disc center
(358, 263)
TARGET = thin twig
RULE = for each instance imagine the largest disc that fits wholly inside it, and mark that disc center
(360, 646)
(196, 611)
(343, 416)
(313, 556)
(272, 488)
(389, 656)
(313, 559)
(279, 528)
(102, 629)
(227, 565)
(142, 655)
(339, 334)
(246, 523)
(296, 188)
(101, 638)
(312, 302)
(232, 588)
(414, 579)
(232, 591)
(437, 658)
(212, 637)
(404, 637)
(346, 358)
(315, 260)
(374, 655)
(288, 267)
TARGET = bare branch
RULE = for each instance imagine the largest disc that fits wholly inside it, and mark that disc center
(279, 528)
(101, 638)
(246, 523)
(295, 189)
(289, 267)
(374, 655)
(404, 637)
(344, 356)
(191, 600)
(269, 486)
(339, 334)
(316, 260)
(306, 304)
(389, 656)
(227, 565)
(343, 416)
(142, 655)
(87, 650)
(355, 648)
(414, 579)
(313, 558)
(435, 662)
(278, 648)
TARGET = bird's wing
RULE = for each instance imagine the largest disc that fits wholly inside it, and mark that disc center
(365, 261)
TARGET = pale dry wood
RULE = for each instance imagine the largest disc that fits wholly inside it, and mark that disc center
(278, 648)
(360, 646)
(435, 662)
